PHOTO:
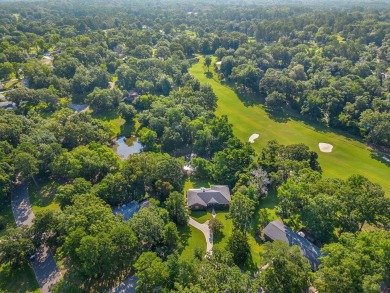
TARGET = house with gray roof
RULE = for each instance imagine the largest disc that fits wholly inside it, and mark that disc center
(278, 231)
(215, 196)
(8, 105)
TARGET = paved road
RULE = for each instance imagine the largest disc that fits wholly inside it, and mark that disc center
(44, 265)
(206, 232)
(127, 286)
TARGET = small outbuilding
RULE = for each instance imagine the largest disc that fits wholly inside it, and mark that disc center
(215, 196)
(278, 231)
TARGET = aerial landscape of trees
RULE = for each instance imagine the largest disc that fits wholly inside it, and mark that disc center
(76, 76)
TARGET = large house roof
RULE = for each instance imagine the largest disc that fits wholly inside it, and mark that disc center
(276, 230)
(216, 194)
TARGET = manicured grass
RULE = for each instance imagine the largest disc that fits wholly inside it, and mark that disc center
(17, 280)
(201, 216)
(349, 156)
(42, 198)
(190, 238)
(222, 239)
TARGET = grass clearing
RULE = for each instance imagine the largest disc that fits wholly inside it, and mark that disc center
(349, 156)
(42, 198)
(20, 280)
(115, 124)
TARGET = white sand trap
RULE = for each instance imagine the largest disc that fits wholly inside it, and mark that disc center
(325, 147)
(253, 137)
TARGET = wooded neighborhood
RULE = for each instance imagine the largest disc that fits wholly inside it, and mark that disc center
(195, 146)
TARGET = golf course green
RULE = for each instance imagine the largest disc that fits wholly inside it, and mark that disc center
(348, 156)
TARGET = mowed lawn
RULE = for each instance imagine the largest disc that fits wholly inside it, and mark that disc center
(349, 156)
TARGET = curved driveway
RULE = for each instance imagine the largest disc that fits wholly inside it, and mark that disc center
(206, 232)
(44, 265)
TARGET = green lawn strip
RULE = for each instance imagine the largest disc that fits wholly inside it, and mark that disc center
(42, 198)
(18, 280)
(190, 238)
(201, 216)
(349, 156)
(222, 239)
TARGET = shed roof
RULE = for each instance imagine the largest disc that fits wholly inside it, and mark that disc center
(278, 231)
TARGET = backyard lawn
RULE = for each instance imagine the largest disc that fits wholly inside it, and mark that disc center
(349, 156)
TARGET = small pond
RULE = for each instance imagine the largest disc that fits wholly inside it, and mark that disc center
(127, 210)
(126, 147)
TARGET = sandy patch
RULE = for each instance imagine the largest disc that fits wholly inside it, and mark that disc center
(325, 147)
(253, 137)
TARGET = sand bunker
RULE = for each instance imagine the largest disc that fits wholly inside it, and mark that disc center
(325, 147)
(253, 137)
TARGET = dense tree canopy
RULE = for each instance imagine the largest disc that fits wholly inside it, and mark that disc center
(129, 62)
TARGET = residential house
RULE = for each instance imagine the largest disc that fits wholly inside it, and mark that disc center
(131, 95)
(215, 196)
(8, 105)
(278, 231)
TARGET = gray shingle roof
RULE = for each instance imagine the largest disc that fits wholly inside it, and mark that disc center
(276, 230)
(216, 194)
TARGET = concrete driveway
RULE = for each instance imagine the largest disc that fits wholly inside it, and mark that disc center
(127, 286)
(206, 232)
(44, 265)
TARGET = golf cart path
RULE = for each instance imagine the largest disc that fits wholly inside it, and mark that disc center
(44, 265)
(206, 232)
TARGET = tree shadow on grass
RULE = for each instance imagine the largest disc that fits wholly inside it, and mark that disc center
(44, 195)
(106, 115)
(278, 115)
(208, 74)
(185, 234)
(247, 97)
(249, 264)
(380, 157)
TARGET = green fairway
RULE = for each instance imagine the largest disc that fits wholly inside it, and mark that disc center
(349, 156)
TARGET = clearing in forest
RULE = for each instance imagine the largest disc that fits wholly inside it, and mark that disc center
(348, 157)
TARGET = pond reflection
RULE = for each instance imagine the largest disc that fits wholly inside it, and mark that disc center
(126, 147)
